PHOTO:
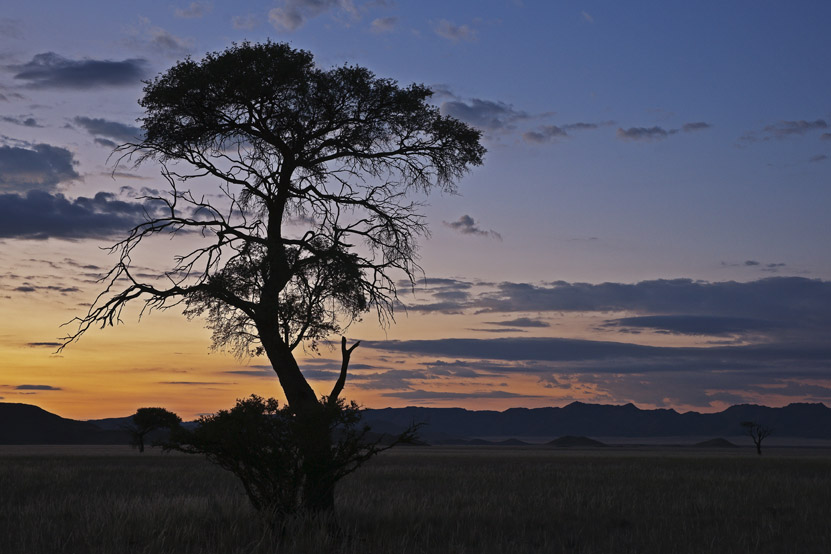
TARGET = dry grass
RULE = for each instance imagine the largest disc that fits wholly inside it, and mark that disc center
(414, 500)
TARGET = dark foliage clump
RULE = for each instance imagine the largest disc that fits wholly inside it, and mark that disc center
(270, 450)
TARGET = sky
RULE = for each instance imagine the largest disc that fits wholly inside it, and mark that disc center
(650, 224)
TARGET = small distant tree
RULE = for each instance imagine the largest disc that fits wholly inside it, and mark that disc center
(757, 432)
(147, 420)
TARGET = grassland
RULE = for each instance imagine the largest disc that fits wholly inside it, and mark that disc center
(437, 500)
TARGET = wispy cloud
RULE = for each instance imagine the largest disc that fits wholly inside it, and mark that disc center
(41, 215)
(467, 226)
(194, 10)
(453, 32)
(110, 129)
(484, 114)
(39, 166)
(383, 24)
(644, 133)
(785, 129)
(52, 71)
(292, 14)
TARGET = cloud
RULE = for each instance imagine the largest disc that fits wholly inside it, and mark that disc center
(467, 226)
(44, 344)
(825, 136)
(119, 132)
(697, 126)
(549, 133)
(773, 298)
(23, 121)
(788, 128)
(785, 129)
(587, 17)
(194, 10)
(485, 114)
(544, 134)
(695, 324)
(41, 215)
(167, 44)
(818, 158)
(644, 133)
(10, 28)
(36, 387)
(40, 166)
(52, 71)
(773, 308)
(246, 22)
(451, 31)
(446, 395)
(293, 14)
(383, 24)
(520, 322)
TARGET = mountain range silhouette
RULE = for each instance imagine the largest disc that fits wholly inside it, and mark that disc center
(29, 424)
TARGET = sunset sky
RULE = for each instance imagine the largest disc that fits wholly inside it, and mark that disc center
(651, 223)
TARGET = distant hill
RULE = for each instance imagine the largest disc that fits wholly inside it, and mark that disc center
(576, 442)
(716, 443)
(27, 424)
(600, 420)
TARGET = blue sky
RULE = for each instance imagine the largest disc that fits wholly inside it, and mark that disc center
(640, 145)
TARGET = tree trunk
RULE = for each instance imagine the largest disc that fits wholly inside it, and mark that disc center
(315, 444)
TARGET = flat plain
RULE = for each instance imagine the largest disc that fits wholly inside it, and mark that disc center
(79, 499)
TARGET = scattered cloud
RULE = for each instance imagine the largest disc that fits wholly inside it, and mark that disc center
(644, 133)
(41, 215)
(550, 133)
(485, 114)
(112, 130)
(520, 322)
(785, 129)
(818, 158)
(446, 395)
(23, 121)
(43, 344)
(587, 17)
(451, 31)
(545, 133)
(383, 24)
(245, 22)
(194, 10)
(10, 28)
(37, 387)
(694, 324)
(825, 136)
(697, 126)
(40, 166)
(52, 71)
(467, 226)
(293, 14)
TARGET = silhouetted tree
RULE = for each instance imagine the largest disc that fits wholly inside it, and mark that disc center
(757, 432)
(147, 420)
(314, 167)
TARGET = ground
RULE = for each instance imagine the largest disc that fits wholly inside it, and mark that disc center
(429, 499)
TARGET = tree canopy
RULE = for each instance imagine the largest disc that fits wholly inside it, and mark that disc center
(314, 225)
(331, 152)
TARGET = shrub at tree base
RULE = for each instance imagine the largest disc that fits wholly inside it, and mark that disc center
(284, 463)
